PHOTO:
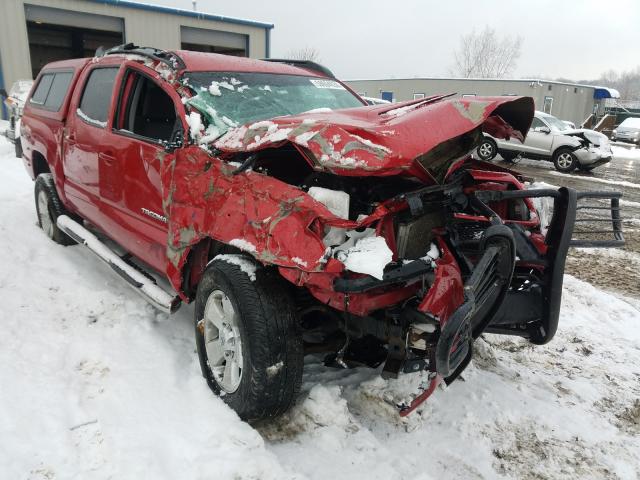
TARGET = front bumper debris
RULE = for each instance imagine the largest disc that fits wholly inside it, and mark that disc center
(502, 295)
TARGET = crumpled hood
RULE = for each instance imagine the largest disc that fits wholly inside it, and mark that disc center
(385, 139)
(593, 136)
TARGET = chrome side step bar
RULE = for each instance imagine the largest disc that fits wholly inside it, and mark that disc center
(142, 284)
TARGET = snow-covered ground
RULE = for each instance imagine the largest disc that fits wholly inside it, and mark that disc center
(96, 384)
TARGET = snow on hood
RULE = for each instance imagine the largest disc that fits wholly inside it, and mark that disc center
(386, 139)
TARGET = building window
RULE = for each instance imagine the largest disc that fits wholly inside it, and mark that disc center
(575, 89)
(548, 105)
(214, 41)
(388, 96)
(549, 88)
(418, 96)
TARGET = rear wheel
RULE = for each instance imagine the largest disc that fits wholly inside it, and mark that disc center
(488, 149)
(565, 160)
(248, 339)
(49, 208)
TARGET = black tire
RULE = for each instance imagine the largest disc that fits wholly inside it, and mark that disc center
(271, 341)
(18, 147)
(508, 156)
(487, 150)
(49, 208)
(565, 160)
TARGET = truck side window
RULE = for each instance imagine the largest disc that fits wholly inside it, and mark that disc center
(51, 90)
(96, 98)
(58, 90)
(42, 90)
(149, 111)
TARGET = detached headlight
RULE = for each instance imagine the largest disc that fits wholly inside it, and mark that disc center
(614, 132)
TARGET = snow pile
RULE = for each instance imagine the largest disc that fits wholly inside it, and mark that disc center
(336, 201)
(368, 255)
(243, 245)
(246, 265)
(194, 120)
(543, 205)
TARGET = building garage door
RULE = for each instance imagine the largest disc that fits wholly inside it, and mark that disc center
(214, 41)
(56, 34)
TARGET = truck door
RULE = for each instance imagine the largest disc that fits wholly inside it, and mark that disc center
(85, 137)
(145, 120)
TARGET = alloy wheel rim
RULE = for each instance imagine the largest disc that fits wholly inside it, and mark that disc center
(222, 341)
(486, 149)
(43, 213)
(565, 160)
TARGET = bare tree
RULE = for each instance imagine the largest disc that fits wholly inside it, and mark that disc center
(306, 53)
(486, 55)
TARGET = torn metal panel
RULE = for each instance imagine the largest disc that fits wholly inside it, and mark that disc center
(365, 141)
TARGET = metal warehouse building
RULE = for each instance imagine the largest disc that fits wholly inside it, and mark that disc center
(36, 32)
(567, 101)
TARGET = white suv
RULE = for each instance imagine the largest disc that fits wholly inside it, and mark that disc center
(551, 139)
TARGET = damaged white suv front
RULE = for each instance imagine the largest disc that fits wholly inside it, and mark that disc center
(552, 139)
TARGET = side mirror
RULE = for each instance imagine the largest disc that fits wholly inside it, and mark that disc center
(546, 130)
(3, 93)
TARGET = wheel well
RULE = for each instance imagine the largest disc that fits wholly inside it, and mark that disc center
(39, 163)
(198, 258)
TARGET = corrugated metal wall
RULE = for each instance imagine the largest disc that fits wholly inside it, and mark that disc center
(143, 27)
(574, 103)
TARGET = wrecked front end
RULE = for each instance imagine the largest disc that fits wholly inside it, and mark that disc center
(401, 248)
(592, 148)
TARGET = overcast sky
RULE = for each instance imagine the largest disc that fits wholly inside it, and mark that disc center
(577, 39)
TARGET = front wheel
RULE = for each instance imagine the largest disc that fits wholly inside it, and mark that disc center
(487, 150)
(565, 160)
(247, 336)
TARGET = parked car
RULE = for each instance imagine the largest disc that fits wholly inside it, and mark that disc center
(375, 101)
(551, 139)
(14, 101)
(296, 218)
(627, 131)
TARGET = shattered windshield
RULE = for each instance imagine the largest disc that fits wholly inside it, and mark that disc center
(226, 100)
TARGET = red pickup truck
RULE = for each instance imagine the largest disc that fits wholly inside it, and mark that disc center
(297, 218)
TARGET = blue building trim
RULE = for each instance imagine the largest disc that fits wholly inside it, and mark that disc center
(267, 43)
(4, 115)
(184, 13)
